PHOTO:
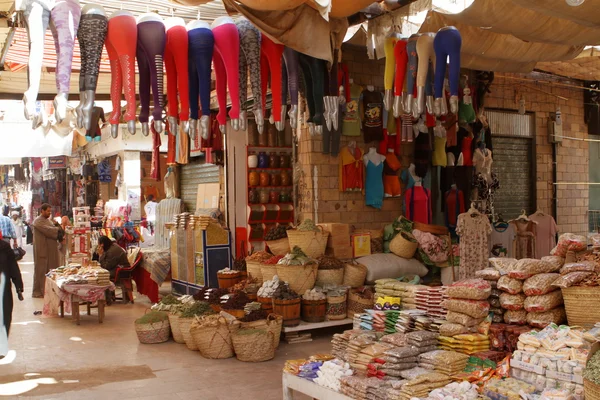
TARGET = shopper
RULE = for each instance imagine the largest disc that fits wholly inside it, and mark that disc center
(9, 271)
(8, 230)
(19, 228)
(111, 255)
(45, 248)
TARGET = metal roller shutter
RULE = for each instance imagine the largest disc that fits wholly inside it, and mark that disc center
(512, 139)
(193, 174)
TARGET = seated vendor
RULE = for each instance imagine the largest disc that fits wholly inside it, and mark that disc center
(111, 255)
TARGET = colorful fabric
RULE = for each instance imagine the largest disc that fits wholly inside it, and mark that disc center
(55, 293)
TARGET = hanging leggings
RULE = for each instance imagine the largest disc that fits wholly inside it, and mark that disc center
(150, 49)
(401, 55)
(390, 62)
(447, 44)
(201, 43)
(249, 58)
(121, 45)
(270, 61)
(37, 18)
(91, 35)
(426, 57)
(94, 131)
(226, 60)
(331, 137)
(291, 65)
(176, 66)
(64, 21)
(411, 71)
(313, 70)
(284, 86)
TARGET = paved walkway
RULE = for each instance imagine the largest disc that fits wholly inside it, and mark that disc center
(52, 358)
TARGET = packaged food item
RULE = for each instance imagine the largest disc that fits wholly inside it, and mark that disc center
(513, 317)
(495, 302)
(502, 264)
(569, 242)
(473, 308)
(527, 267)
(512, 302)
(543, 302)
(497, 338)
(571, 279)
(490, 274)
(540, 284)
(451, 329)
(473, 289)
(545, 318)
(581, 266)
(463, 319)
(484, 326)
(555, 260)
(510, 285)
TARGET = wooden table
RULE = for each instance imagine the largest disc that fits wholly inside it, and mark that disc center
(70, 296)
(76, 301)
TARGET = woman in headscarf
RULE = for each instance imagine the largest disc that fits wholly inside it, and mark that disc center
(9, 271)
(65, 222)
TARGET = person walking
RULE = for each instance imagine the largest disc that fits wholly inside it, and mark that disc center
(46, 237)
(19, 228)
(9, 272)
(8, 230)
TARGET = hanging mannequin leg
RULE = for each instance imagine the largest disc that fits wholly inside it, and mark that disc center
(310, 98)
(390, 65)
(152, 38)
(264, 80)
(201, 45)
(227, 44)
(273, 53)
(194, 97)
(317, 72)
(64, 19)
(401, 61)
(284, 93)
(144, 89)
(425, 54)
(243, 68)
(250, 39)
(221, 86)
(37, 19)
(177, 46)
(334, 89)
(291, 63)
(447, 43)
(411, 72)
(116, 85)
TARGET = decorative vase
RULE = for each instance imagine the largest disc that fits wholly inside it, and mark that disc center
(286, 178)
(284, 160)
(274, 160)
(265, 179)
(263, 160)
(253, 178)
(253, 197)
(264, 197)
(284, 197)
(252, 161)
(273, 197)
(276, 179)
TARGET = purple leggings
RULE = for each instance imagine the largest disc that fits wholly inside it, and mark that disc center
(64, 21)
(291, 65)
(150, 50)
(447, 44)
(201, 44)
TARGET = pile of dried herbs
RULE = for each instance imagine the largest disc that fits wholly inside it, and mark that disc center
(236, 301)
(152, 317)
(592, 369)
(196, 308)
(169, 300)
(328, 262)
(255, 315)
(307, 225)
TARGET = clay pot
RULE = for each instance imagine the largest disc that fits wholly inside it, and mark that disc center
(286, 178)
(272, 136)
(284, 197)
(276, 179)
(273, 197)
(284, 160)
(253, 178)
(265, 179)
(264, 197)
(263, 160)
(252, 161)
(273, 160)
(253, 196)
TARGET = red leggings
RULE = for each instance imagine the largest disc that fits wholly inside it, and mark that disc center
(226, 62)
(270, 59)
(176, 65)
(121, 45)
(401, 60)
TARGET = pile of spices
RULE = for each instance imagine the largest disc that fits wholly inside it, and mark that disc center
(328, 262)
(273, 260)
(236, 301)
(214, 295)
(255, 316)
(283, 292)
(592, 369)
(307, 225)
(276, 233)
(259, 256)
(197, 308)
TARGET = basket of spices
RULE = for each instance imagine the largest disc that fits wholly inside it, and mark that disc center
(253, 264)
(354, 274)
(330, 272)
(266, 292)
(286, 303)
(235, 304)
(153, 327)
(187, 316)
(298, 270)
(212, 336)
(277, 240)
(591, 377)
(260, 319)
(228, 278)
(253, 345)
(310, 238)
(268, 268)
(359, 300)
(314, 306)
(213, 297)
(336, 304)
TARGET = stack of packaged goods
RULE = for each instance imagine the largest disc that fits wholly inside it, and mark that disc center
(407, 320)
(341, 341)
(444, 361)
(492, 275)
(422, 340)
(355, 348)
(467, 306)
(553, 358)
(369, 355)
(430, 300)
(393, 361)
(391, 317)
(403, 290)
(421, 386)
(362, 388)
(466, 343)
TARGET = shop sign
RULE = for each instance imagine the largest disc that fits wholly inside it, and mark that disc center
(59, 162)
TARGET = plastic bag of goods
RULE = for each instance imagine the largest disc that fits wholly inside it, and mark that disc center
(569, 241)
(581, 266)
(544, 302)
(513, 317)
(527, 267)
(545, 318)
(555, 260)
(471, 289)
(513, 302)
(510, 285)
(489, 274)
(473, 308)
(540, 284)
(571, 279)
(463, 319)
(451, 329)
(502, 264)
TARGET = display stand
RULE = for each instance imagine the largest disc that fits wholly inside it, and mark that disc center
(79, 241)
(292, 383)
(307, 326)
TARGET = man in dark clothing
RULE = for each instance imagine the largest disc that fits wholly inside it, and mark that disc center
(111, 256)
(9, 272)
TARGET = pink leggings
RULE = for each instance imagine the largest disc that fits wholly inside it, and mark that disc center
(176, 66)
(120, 45)
(226, 62)
(270, 59)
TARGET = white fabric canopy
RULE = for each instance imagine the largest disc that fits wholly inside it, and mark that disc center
(19, 140)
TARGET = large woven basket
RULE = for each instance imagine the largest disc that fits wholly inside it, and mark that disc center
(433, 229)
(253, 269)
(273, 324)
(354, 274)
(312, 243)
(175, 329)
(279, 247)
(336, 307)
(579, 305)
(154, 332)
(404, 245)
(253, 345)
(299, 277)
(184, 326)
(212, 337)
(591, 390)
(357, 304)
(268, 271)
(330, 277)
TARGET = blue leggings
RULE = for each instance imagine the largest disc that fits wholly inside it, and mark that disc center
(201, 43)
(447, 44)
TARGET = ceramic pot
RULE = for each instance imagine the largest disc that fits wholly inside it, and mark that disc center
(273, 197)
(264, 197)
(284, 160)
(253, 178)
(276, 179)
(265, 179)
(286, 178)
(272, 136)
(263, 160)
(274, 160)
(253, 196)
(284, 197)
(252, 161)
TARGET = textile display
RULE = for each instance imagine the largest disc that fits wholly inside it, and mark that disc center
(150, 52)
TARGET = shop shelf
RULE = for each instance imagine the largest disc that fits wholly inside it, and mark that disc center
(270, 147)
(268, 169)
(266, 187)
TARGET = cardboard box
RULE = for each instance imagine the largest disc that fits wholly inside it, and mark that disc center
(341, 252)
(361, 245)
(208, 195)
(337, 230)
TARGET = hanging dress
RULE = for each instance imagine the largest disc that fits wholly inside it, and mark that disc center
(374, 185)
(474, 232)
(417, 201)
(351, 170)
(525, 239)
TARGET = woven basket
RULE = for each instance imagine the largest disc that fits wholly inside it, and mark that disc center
(212, 338)
(273, 324)
(592, 391)
(236, 313)
(354, 275)
(253, 269)
(254, 345)
(579, 303)
(279, 247)
(404, 245)
(357, 304)
(433, 229)
(312, 243)
(336, 307)
(330, 276)
(175, 330)
(299, 277)
(184, 326)
(268, 271)
(155, 332)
